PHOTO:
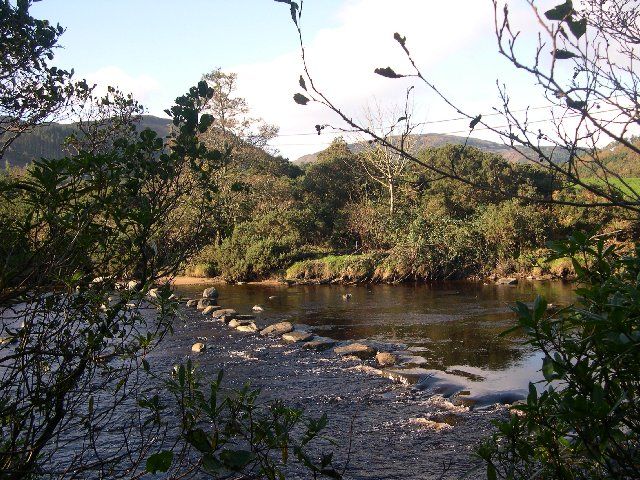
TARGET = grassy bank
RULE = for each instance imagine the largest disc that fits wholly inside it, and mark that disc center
(381, 268)
(334, 269)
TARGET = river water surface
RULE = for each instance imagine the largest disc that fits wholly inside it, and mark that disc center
(464, 371)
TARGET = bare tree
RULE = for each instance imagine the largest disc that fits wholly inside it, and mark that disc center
(383, 164)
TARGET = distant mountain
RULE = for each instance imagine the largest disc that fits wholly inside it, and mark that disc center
(435, 140)
(46, 141)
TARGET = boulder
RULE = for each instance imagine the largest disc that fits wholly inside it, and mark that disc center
(204, 303)
(293, 337)
(192, 303)
(210, 292)
(198, 347)
(257, 308)
(277, 329)
(224, 312)
(320, 344)
(386, 359)
(133, 285)
(153, 293)
(359, 350)
(210, 308)
(507, 281)
(248, 327)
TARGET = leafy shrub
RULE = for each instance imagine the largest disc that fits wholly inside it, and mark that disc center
(434, 248)
(585, 423)
(343, 268)
(232, 434)
(511, 228)
(260, 247)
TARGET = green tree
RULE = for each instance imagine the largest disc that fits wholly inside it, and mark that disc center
(84, 239)
(31, 91)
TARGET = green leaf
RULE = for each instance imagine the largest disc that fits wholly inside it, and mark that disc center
(560, 12)
(563, 54)
(387, 72)
(235, 460)
(491, 472)
(539, 307)
(578, 27)
(475, 122)
(302, 83)
(300, 99)
(199, 439)
(211, 464)
(548, 369)
(159, 462)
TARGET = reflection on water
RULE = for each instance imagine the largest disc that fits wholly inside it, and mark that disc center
(454, 326)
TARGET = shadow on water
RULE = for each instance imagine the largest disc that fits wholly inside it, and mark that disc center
(453, 326)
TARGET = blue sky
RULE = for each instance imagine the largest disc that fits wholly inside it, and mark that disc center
(158, 48)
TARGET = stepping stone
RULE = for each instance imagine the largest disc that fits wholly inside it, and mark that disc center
(204, 303)
(277, 329)
(320, 344)
(210, 293)
(356, 349)
(210, 308)
(248, 328)
(386, 359)
(224, 312)
(293, 337)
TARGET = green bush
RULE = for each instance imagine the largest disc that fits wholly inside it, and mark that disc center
(343, 268)
(511, 228)
(584, 421)
(434, 248)
(260, 247)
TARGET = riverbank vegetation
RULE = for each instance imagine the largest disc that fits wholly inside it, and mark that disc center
(328, 221)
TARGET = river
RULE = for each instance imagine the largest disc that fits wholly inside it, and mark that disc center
(462, 376)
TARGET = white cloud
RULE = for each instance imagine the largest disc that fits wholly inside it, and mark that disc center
(144, 88)
(342, 60)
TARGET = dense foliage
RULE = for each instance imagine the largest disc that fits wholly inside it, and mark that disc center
(583, 421)
(439, 228)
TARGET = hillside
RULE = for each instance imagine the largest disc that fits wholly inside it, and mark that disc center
(437, 140)
(47, 140)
